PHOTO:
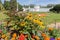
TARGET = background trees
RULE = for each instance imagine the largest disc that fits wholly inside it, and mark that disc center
(6, 5)
(13, 5)
(56, 8)
(1, 6)
(20, 7)
(0, 1)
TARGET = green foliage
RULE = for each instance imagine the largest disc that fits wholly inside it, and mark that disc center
(56, 8)
(32, 6)
(7, 5)
(20, 7)
(1, 7)
(0, 1)
(13, 5)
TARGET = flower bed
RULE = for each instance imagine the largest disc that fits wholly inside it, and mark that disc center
(27, 27)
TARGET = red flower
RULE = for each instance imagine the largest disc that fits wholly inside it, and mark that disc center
(22, 37)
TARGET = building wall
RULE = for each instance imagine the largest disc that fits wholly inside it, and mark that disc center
(37, 9)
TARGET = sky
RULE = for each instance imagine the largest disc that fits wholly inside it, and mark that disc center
(38, 2)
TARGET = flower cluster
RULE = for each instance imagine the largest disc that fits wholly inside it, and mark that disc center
(27, 27)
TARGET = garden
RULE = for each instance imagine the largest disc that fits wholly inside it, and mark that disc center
(20, 25)
(27, 26)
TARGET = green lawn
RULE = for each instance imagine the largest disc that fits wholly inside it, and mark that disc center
(51, 18)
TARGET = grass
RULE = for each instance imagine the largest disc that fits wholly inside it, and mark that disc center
(51, 18)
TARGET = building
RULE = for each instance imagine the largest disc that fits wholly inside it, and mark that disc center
(36, 8)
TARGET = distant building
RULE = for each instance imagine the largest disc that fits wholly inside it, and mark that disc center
(36, 8)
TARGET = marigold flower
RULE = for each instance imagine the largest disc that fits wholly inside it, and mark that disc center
(50, 29)
(43, 34)
(6, 38)
(57, 38)
(46, 38)
(13, 39)
(37, 38)
(3, 36)
(14, 35)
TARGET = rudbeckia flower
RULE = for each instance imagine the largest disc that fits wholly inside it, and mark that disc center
(29, 17)
(35, 20)
(22, 24)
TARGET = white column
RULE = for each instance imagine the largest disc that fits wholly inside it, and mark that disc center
(17, 6)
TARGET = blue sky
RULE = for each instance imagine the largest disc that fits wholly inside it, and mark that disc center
(38, 2)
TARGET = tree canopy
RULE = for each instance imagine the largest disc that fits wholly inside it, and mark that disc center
(56, 8)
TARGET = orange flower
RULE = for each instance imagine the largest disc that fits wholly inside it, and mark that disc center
(37, 38)
(14, 35)
(43, 34)
(13, 39)
(58, 39)
(6, 38)
(46, 38)
(50, 29)
(3, 36)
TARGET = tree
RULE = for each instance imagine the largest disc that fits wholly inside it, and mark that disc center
(56, 8)
(50, 5)
(26, 6)
(31, 5)
(6, 5)
(20, 7)
(0, 1)
(13, 5)
(1, 6)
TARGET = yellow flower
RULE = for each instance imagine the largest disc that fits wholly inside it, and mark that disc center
(40, 23)
(35, 20)
(30, 14)
(42, 27)
(22, 24)
(29, 17)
